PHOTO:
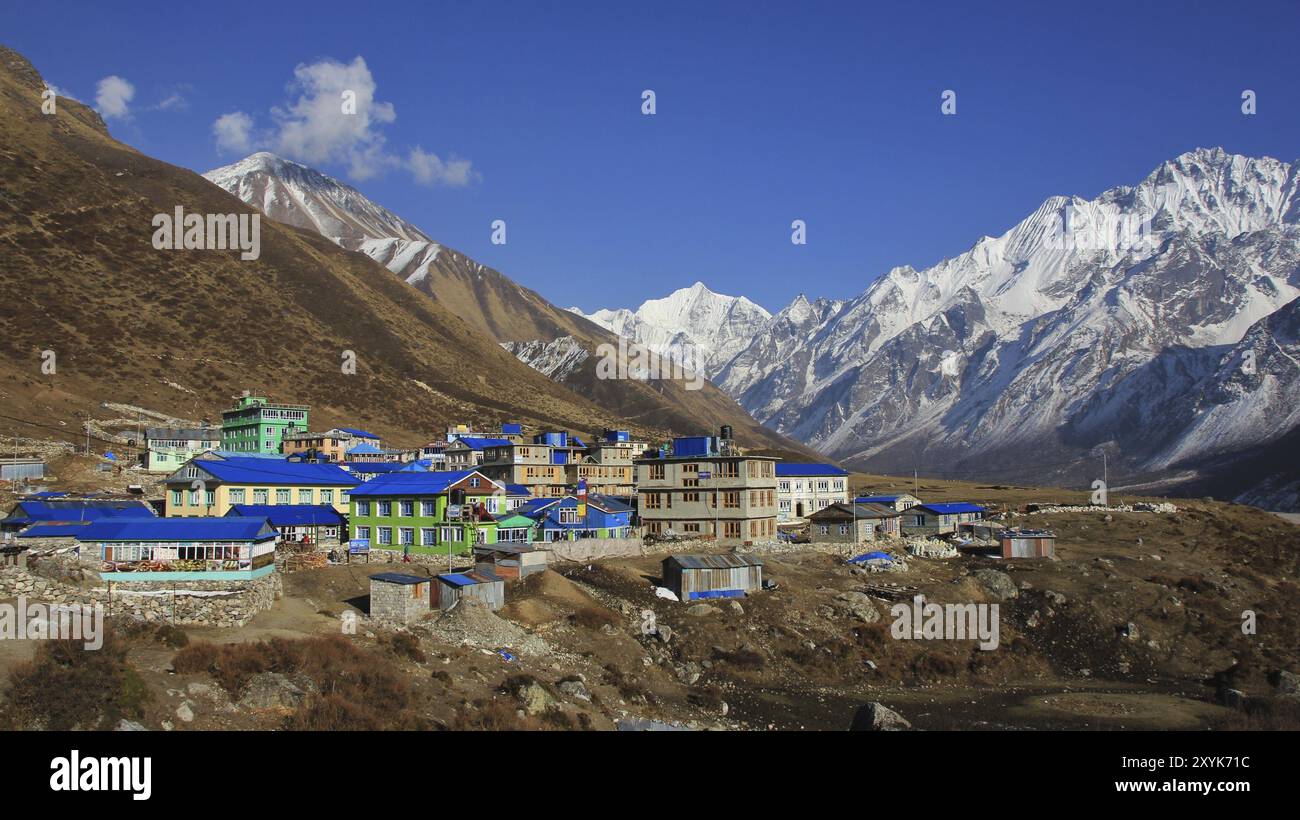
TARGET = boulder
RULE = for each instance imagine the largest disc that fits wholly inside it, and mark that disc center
(859, 605)
(996, 583)
(701, 610)
(271, 690)
(876, 717)
(534, 698)
(574, 689)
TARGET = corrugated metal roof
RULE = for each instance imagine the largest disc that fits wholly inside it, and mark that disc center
(354, 431)
(427, 483)
(76, 509)
(252, 470)
(951, 508)
(54, 530)
(188, 433)
(726, 560)
(179, 529)
(478, 443)
(398, 578)
(786, 469)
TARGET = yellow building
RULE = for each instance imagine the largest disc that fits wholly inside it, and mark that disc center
(210, 484)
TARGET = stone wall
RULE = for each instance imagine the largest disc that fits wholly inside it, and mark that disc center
(234, 605)
(395, 602)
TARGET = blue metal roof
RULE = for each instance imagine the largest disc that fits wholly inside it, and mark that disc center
(354, 431)
(29, 511)
(54, 530)
(458, 579)
(952, 508)
(512, 428)
(243, 470)
(478, 442)
(420, 465)
(399, 578)
(518, 489)
(365, 448)
(179, 529)
(429, 483)
(290, 515)
(877, 499)
(786, 469)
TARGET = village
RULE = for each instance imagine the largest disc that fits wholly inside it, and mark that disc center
(473, 538)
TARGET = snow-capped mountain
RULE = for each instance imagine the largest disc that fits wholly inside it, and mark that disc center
(694, 326)
(1109, 322)
(554, 341)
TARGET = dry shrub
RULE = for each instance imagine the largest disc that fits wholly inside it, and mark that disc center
(404, 645)
(592, 617)
(67, 686)
(356, 690)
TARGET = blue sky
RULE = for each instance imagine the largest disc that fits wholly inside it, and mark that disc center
(766, 113)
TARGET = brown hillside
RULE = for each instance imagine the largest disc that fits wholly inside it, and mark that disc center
(182, 331)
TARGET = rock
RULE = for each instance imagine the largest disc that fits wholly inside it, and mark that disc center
(996, 583)
(859, 605)
(1108, 518)
(664, 633)
(534, 698)
(201, 690)
(1032, 620)
(1055, 597)
(184, 712)
(271, 690)
(130, 726)
(876, 717)
(1129, 630)
(1286, 683)
(701, 610)
(736, 607)
(574, 689)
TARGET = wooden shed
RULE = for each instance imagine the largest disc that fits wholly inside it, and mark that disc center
(726, 575)
(1028, 544)
(510, 561)
(486, 587)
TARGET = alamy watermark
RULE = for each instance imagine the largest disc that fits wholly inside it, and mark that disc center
(52, 622)
(211, 232)
(630, 360)
(951, 622)
(1088, 228)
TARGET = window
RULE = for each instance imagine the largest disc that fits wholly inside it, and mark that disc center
(343, 496)
(427, 509)
(361, 532)
(260, 496)
(385, 535)
(283, 497)
(692, 496)
(656, 472)
(406, 535)
(327, 496)
(824, 529)
(237, 496)
(407, 509)
(385, 509)
(785, 486)
(363, 508)
(210, 498)
(568, 515)
(844, 529)
(474, 482)
(304, 496)
(194, 498)
(822, 486)
(446, 534)
(428, 537)
(731, 500)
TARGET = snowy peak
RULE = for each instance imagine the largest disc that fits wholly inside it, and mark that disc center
(700, 329)
(290, 192)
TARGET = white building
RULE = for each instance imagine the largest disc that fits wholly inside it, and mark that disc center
(803, 489)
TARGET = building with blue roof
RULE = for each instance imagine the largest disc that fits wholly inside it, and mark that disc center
(565, 519)
(427, 512)
(899, 502)
(168, 550)
(295, 521)
(56, 509)
(210, 485)
(804, 488)
(923, 520)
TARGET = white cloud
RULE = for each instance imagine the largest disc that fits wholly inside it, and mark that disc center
(113, 96)
(234, 133)
(429, 169)
(335, 118)
(175, 100)
(315, 127)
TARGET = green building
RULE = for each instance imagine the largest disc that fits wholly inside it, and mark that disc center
(427, 512)
(256, 425)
